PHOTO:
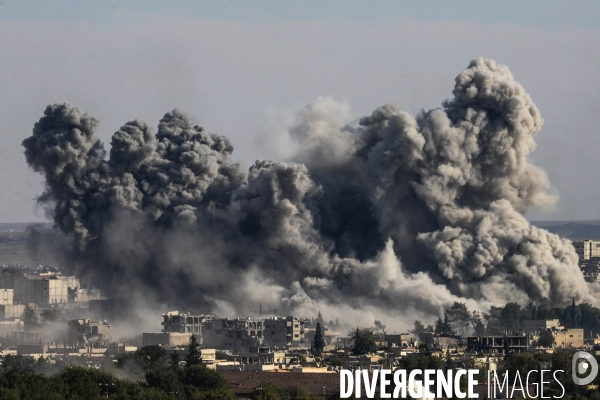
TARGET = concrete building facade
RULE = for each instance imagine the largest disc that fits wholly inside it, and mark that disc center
(241, 334)
(174, 321)
(6, 296)
(262, 355)
(498, 344)
(44, 290)
(587, 249)
(568, 338)
(536, 325)
(285, 332)
(400, 339)
(166, 339)
(11, 311)
(232, 334)
(84, 330)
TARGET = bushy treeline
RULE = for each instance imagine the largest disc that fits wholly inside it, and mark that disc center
(149, 373)
(72, 383)
(510, 317)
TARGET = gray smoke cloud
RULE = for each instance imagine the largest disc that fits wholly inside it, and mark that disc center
(397, 215)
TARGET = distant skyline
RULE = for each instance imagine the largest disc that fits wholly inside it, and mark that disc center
(241, 68)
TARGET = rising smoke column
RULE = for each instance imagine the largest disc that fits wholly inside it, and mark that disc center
(397, 213)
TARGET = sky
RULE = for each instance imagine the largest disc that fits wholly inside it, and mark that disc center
(241, 68)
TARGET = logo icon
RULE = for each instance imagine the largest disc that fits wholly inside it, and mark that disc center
(582, 361)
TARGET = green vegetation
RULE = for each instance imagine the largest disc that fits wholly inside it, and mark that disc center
(152, 375)
(364, 341)
(560, 360)
(193, 357)
(457, 319)
(318, 343)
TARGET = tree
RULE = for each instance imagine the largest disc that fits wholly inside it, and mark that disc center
(144, 360)
(492, 320)
(364, 341)
(419, 328)
(510, 316)
(204, 379)
(546, 339)
(318, 343)
(194, 356)
(443, 327)
(575, 319)
(477, 323)
(268, 391)
(459, 317)
(449, 364)
(30, 319)
(165, 381)
(175, 361)
(320, 320)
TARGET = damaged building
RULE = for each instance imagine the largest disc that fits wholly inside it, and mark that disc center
(84, 331)
(241, 334)
(174, 321)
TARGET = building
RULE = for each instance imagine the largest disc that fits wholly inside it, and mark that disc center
(6, 296)
(587, 249)
(209, 356)
(330, 338)
(241, 334)
(400, 339)
(174, 321)
(285, 332)
(232, 334)
(568, 338)
(32, 350)
(11, 311)
(590, 269)
(53, 289)
(262, 355)
(8, 326)
(84, 330)
(536, 325)
(498, 344)
(166, 339)
(29, 337)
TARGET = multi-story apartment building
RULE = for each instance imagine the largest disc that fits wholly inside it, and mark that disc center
(240, 334)
(232, 334)
(48, 290)
(285, 332)
(6, 296)
(587, 249)
(174, 321)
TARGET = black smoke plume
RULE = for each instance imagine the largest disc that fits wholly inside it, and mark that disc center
(395, 215)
